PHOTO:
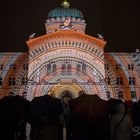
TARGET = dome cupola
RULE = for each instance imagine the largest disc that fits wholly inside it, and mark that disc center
(65, 18)
(61, 12)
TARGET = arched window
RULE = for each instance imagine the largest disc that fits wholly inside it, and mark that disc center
(131, 80)
(39, 49)
(92, 50)
(120, 95)
(133, 94)
(108, 95)
(118, 66)
(108, 81)
(79, 44)
(13, 66)
(12, 81)
(54, 69)
(48, 68)
(119, 81)
(62, 43)
(131, 66)
(84, 68)
(107, 67)
(25, 66)
(69, 69)
(63, 69)
(24, 81)
(78, 68)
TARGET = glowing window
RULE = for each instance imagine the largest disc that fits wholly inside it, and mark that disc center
(24, 81)
(63, 69)
(54, 69)
(25, 66)
(108, 81)
(130, 66)
(118, 66)
(78, 68)
(120, 94)
(13, 66)
(84, 68)
(131, 80)
(119, 81)
(12, 81)
(106, 66)
(69, 69)
(48, 69)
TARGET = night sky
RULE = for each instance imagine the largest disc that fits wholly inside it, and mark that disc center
(117, 20)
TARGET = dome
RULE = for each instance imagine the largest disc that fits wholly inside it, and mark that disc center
(61, 12)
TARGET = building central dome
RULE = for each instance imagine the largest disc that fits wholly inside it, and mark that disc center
(62, 12)
(65, 18)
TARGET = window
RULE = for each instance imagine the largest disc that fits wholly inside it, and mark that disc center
(39, 50)
(130, 66)
(84, 68)
(48, 69)
(80, 44)
(25, 66)
(131, 80)
(119, 81)
(133, 94)
(108, 95)
(63, 69)
(12, 81)
(1, 66)
(120, 94)
(0, 81)
(92, 50)
(107, 67)
(54, 69)
(24, 81)
(11, 93)
(78, 68)
(108, 81)
(69, 69)
(13, 66)
(81, 92)
(118, 66)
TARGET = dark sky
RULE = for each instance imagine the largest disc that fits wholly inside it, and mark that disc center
(117, 20)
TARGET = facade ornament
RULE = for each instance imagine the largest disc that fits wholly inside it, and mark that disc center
(65, 4)
(67, 24)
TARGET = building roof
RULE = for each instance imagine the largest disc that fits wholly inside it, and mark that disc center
(67, 33)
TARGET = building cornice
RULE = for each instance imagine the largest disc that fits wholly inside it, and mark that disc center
(65, 34)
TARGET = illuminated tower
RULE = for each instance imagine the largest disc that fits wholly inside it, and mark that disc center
(66, 59)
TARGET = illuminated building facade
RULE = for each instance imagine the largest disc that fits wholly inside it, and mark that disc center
(66, 60)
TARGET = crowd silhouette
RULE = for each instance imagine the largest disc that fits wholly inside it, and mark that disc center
(87, 117)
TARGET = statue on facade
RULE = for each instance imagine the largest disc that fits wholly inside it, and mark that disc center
(32, 36)
(100, 36)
